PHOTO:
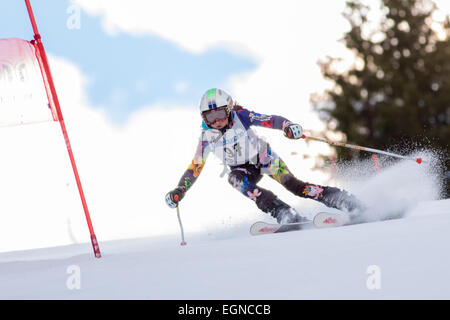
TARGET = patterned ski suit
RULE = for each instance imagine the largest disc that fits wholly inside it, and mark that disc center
(249, 157)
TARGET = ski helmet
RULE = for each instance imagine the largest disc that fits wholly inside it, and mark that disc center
(215, 99)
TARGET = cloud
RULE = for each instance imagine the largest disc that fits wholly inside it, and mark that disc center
(286, 39)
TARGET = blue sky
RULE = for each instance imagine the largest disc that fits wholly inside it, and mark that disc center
(125, 72)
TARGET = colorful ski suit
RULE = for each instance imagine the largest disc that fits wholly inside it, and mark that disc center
(249, 157)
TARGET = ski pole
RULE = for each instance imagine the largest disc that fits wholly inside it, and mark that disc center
(183, 243)
(350, 146)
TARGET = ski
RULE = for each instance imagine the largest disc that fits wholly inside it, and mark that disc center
(330, 220)
(321, 220)
(261, 227)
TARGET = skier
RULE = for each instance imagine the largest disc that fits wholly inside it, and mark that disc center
(226, 131)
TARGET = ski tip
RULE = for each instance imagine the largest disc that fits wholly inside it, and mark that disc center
(329, 220)
(261, 227)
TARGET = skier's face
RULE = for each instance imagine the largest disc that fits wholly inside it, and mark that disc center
(216, 118)
(219, 124)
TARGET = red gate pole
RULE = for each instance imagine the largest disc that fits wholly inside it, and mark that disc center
(53, 99)
(375, 161)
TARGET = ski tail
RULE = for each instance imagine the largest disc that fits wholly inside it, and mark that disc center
(261, 227)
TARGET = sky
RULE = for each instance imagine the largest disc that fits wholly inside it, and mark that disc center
(129, 76)
(145, 53)
(125, 71)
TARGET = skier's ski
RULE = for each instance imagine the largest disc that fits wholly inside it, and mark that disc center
(261, 227)
(321, 220)
(330, 219)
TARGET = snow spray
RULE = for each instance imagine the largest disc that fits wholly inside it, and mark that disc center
(396, 186)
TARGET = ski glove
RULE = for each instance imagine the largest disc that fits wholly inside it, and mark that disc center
(293, 131)
(174, 196)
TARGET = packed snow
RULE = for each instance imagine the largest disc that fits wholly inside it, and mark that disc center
(45, 252)
(395, 259)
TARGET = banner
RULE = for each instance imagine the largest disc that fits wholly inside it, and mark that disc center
(23, 97)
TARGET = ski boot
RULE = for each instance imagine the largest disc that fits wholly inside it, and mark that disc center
(284, 213)
(342, 200)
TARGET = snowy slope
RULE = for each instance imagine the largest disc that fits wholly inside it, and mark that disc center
(411, 255)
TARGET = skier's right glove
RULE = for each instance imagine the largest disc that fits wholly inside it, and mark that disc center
(174, 196)
(293, 131)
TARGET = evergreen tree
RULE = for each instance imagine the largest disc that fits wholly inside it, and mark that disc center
(398, 90)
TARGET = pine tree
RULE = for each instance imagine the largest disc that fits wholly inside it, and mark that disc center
(398, 90)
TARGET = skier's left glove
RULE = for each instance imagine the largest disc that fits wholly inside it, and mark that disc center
(174, 197)
(293, 131)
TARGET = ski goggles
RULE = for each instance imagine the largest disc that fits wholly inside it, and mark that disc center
(216, 114)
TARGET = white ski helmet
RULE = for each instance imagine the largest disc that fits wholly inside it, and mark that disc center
(214, 99)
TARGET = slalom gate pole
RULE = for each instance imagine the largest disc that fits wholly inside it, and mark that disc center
(53, 100)
(183, 243)
(375, 161)
(355, 147)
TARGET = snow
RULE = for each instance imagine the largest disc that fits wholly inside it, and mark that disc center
(140, 241)
(411, 255)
